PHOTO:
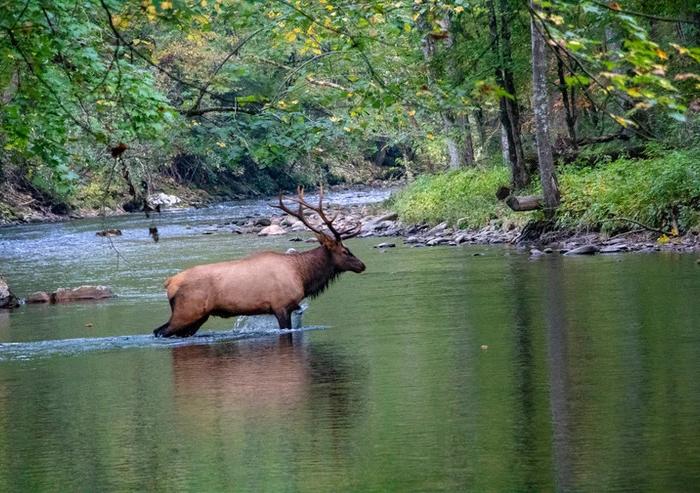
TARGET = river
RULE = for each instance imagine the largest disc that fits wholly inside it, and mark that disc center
(438, 369)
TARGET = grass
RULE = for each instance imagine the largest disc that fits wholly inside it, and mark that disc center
(651, 191)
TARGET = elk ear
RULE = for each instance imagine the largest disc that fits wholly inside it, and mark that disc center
(325, 241)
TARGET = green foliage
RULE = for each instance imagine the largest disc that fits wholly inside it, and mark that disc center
(652, 191)
(466, 198)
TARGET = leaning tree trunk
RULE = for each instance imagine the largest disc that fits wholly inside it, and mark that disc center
(550, 187)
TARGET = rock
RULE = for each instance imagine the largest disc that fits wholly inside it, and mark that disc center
(39, 297)
(109, 232)
(235, 229)
(272, 230)
(291, 251)
(614, 248)
(62, 295)
(535, 252)
(440, 228)
(163, 200)
(437, 241)
(548, 250)
(584, 250)
(385, 245)
(460, 238)
(296, 238)
(392, 216)
(412, 239)
(477, 254)
(7, 299)
(262, 221)
(311, 240)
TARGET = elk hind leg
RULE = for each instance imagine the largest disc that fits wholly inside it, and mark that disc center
(182, 323)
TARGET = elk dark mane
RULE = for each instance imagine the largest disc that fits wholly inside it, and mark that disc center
(316, 269)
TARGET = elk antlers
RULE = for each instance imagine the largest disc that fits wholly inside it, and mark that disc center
(339, 235)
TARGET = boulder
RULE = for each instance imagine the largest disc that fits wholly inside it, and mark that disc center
(437, 241)
(385, 245)
(62, 295)
(163, 200)
(262, 221)
(7, 299)
(39, 297)
(614, 248)
(584, 250)
(272, 230)
(436, 230)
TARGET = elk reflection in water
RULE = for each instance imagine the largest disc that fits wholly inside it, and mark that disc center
(270, 376)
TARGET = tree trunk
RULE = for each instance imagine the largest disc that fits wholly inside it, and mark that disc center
(468, 144)
(567, 98)
(504, 145)
(550, 187)
(508, 110)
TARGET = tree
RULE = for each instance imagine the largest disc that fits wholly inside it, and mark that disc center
(540, 107)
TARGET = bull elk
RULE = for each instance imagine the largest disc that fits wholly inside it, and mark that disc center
(263, 283)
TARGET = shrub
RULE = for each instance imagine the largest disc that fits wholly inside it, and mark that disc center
(465, 196)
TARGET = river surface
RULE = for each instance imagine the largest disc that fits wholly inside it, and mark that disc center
(435, 370)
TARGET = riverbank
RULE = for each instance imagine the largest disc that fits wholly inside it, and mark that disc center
(625, 205)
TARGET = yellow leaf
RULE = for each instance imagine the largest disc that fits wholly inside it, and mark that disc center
(663, 239)
(661, 54)
(412, 113)
(290, 37)
(459, 9)
(430, 136)
(166, 5)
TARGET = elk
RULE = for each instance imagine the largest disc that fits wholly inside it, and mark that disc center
(263, 283)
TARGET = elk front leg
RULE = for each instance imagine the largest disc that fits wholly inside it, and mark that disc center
(284, 318)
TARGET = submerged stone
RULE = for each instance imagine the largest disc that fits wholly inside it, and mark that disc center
(39, 297)
(62, 295)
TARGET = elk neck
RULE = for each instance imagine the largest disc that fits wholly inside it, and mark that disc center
(316, 269)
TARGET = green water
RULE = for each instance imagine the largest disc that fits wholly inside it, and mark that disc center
(437, 370)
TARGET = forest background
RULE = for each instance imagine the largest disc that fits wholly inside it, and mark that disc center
(585, 113)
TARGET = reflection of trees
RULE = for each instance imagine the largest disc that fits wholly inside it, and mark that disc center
(555, 320)
(524, 364)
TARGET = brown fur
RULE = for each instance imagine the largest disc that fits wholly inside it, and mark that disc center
(263, 283)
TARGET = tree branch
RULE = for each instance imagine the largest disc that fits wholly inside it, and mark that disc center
(643, 14)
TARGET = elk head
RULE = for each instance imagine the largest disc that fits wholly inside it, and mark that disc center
(332, 242)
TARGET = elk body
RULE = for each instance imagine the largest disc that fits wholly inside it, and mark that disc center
(263, 283)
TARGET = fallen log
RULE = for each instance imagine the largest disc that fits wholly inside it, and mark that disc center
(524, 203)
